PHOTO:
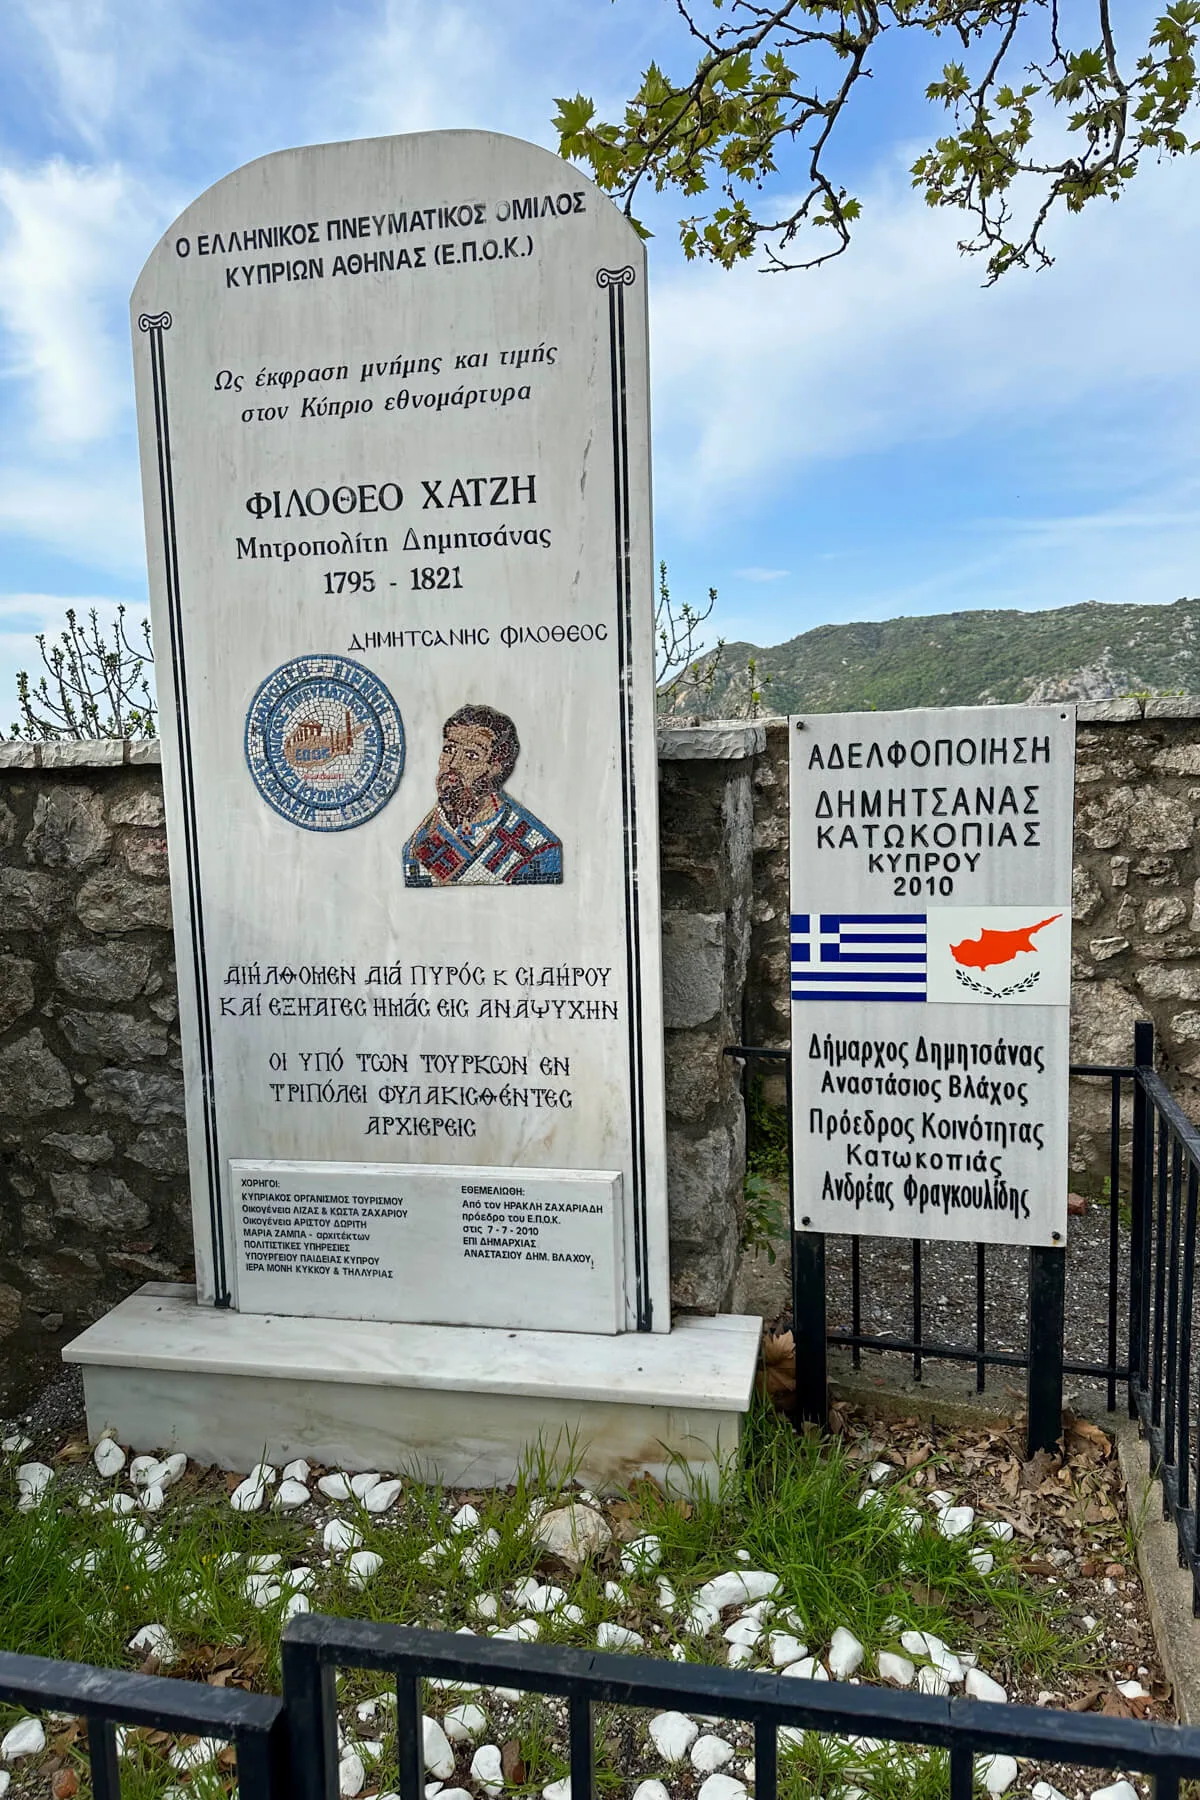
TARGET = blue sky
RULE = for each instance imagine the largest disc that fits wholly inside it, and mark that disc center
(882, 437)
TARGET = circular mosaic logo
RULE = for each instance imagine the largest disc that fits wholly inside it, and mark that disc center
(325, 743)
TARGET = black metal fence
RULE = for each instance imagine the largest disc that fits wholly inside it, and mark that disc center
(106, 1698)
(1123, 1331)
(289, 1750)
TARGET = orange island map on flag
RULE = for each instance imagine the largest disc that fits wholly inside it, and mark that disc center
(992, 947)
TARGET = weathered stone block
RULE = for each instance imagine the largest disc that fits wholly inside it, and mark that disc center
(111, 901)
(1159, 982)
(1103, 1015)
(693, 968)
(104, 971)
(114, 1037)
(137, 806)
(161, 1149)
(698, 1075)
(101, 1202)
(16, 989)
(83, 1146)
(1162, 913)
(30, 901)
(69, 830)
(1103, 949)
(1087, 896)
(1179, 759)
(699, 1171)
(32, 1080)
(1137, 818)
(90, 753)
(139, 1096)
(145, 854)
(10, 1310)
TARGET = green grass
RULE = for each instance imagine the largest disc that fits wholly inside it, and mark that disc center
(790, 1502)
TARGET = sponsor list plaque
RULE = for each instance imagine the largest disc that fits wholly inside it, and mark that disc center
(930, 972)
(393, 415)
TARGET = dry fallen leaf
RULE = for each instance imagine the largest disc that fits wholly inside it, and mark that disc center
(511, 1765)
(65, 1784)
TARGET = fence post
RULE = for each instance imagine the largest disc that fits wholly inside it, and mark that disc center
(1139, 1206)
(310, 1699)
(1047, 1322)
(808, 1300)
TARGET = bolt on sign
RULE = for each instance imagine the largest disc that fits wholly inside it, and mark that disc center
(392, 402)
(931, 972)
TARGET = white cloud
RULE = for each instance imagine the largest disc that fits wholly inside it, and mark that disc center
(69, 237)
(758, 376)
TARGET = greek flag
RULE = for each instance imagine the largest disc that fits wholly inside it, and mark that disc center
(858, 956)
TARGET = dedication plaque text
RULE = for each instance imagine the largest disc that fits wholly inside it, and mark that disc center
(931, 969)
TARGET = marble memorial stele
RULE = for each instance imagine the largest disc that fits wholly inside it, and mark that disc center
(393, 416)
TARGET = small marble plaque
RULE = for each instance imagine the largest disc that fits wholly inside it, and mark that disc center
(420, 1243)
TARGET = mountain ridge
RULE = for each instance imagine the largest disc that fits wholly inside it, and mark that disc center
(1091, 651)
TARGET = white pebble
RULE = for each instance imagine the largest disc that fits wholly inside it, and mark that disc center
(296, 1603)
(290, 1494)
(737, 1587)
(123, 1503)
(108, 1457)
(785, 1648)
(32, 1481)
(953, 1521)
(673, 1734)
(617, 1637)
(997, 1773)
(939, 1498)
(335, 1487)
(1042, 1790)
(1120, 1790)
(464, 1723)
(248, 1496)
(362, 1567)
(845, 1654)
(722, 1787)
(153, 1498)
(264, 1473)
(339, 1535)
(710, 1753)
(16, 1444)
(998, 1528)
(896, 1669)
(807, 1669)
(650, 1790)
(139, 1469)
(1133, 1690)
(642, 1555)
(523, 1632)
(615, 1592)
(172, 1469)
(982, 1687)
(297, 1471)
(26, 1738)
(351, 1774)
(486, 1606)
(700, 1617)
(982, 1561)
(739, 1656)
(439, 1754)
(361, 1485)
(666, 1598)
(746, 1631)
(465, 1519)
(486, 1769)
(880, 1472)
(381, 1496)
(194, 1756)
(557, 1790)
(931, 1681)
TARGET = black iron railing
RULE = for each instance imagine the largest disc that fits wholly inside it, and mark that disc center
(314, 1648)
(106, 1698)
(1042, 1356)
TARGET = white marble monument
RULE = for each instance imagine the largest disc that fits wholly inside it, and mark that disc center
(392, 398)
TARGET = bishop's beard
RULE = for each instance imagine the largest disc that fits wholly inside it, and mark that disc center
(459, 799)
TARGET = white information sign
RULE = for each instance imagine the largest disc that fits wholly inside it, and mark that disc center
(381, 1241)
(393, 414)
(931, 972)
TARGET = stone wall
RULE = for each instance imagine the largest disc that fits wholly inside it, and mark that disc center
(92, 1147)
(93, 1182)
(93, 1187)
(1136, 902)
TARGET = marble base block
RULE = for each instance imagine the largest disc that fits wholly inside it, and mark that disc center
(455, 1403)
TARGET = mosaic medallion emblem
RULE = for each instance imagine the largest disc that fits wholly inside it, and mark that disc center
(325, 743)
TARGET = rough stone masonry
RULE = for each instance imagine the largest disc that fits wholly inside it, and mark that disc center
(93, 1183)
